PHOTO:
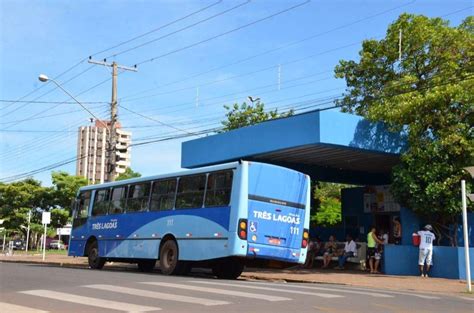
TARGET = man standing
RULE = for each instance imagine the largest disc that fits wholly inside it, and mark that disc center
(426, 249)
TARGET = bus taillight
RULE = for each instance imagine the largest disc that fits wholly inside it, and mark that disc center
(242, 229)
(304, 242)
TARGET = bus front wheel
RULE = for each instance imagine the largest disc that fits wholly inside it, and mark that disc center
(95, 261)
(169, 262)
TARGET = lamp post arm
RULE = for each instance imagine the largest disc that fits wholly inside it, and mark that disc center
(83, 106)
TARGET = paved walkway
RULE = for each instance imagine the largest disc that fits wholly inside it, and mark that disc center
(352, 278)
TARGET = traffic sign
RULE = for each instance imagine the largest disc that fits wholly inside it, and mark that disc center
(46, 218)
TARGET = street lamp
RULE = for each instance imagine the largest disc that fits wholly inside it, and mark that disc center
(43, 78)
(110, 141)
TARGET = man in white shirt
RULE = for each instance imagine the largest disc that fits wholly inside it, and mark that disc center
(426, 249)
(350, 250)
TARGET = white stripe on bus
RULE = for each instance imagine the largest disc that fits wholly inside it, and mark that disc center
(317, 294)
(285, 285)
(8, 307)
(100, 303)
(219, 291)
(157, 295)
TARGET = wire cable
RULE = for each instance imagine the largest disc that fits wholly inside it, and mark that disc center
(180, 29)
(224, 33)
(158, 28)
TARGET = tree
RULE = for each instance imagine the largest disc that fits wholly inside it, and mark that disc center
(428, 95)
(327, 207)
(17, 199)
(129, 173)
(65, 188)
(249, 114)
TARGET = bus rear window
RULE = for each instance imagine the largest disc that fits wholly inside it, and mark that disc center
(191, 192)
(101, 202)
(219, 186)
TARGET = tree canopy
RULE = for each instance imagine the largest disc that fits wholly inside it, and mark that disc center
(249, 114)
(129, 173)
(19, 198)
(327, 209)
(428, 94)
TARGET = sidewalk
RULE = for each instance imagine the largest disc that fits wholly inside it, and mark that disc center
(350, 278)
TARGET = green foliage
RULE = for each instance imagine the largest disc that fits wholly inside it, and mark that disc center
(18, 198)
(327, 207)
(59, 217)
(129, 173)
(65, 188)
(429, 95)
(249, 114)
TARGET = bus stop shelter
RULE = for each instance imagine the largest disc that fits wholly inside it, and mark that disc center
(327, 145)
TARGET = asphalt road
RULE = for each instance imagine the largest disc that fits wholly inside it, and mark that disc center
(40, 288)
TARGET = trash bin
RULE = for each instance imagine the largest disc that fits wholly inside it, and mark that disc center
(416, 239)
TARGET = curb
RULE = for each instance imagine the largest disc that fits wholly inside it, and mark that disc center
(61, 264)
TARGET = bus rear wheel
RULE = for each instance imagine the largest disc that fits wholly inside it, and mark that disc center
(146, 265)
(169, 262)
(228, 269)
(95, 261)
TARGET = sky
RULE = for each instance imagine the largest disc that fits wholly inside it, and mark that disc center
(193, 57)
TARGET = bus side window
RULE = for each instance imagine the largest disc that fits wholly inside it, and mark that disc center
(82, 205)
(191, 192)
(101, 202)
(219, 187)
(119, 199)
(162, 196)
(137, 199)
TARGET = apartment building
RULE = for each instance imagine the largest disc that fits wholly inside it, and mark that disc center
(93, 154)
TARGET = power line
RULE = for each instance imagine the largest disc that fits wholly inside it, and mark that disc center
(153, 119)
(52, 102)
(40, 113)
(42, 86)
(158, 28)
(180, 30)
(67, 161)
(33, 118)
(277, 48)
(264, 69)
(108, 49)
(48, 92)
(225, 33)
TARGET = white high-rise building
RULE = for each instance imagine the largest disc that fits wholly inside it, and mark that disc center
(92, 154)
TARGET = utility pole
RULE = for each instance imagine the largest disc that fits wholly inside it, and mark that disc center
(113, 112)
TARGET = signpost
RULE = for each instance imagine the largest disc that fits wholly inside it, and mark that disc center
(470, 170)
(28, 231)
(45, 220)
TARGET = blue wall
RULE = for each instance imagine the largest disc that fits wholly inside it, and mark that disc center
(448, 262)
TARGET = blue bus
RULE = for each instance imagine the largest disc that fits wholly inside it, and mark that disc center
(223, 217)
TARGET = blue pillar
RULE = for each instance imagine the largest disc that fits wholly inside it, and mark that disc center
(410, 224)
